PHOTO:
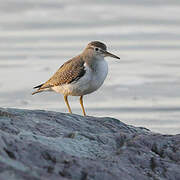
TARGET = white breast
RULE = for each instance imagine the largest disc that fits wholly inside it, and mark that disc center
(99, 73)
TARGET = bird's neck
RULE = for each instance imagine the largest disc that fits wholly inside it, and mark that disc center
(91, 60)
(95, 63)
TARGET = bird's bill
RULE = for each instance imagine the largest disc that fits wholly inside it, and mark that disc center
(111, 55)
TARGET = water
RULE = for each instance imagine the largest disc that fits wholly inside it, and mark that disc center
(142, 89)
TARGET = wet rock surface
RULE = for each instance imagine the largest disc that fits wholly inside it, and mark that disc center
(37, 144)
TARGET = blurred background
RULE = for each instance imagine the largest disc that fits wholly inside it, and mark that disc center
(142, 89)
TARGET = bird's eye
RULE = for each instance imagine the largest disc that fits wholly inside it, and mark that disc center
(96, 49)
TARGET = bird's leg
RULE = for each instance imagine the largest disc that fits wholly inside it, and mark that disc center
(81, 102)
(67, 103)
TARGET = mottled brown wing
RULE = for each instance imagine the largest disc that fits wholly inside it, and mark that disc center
(70, 71)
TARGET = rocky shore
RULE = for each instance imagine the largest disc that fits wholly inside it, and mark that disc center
(43, 145)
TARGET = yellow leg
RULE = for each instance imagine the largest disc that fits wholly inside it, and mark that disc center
(81, 102)
(67, 103)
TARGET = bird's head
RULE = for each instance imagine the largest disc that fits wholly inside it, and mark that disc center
(98, 49)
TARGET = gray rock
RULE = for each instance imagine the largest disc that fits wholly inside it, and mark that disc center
(47, 145)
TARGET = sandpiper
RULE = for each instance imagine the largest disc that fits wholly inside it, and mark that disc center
(80, 75)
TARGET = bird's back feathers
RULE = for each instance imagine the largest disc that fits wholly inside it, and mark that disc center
(69, 72)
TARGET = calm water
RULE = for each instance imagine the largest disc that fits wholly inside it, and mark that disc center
(142, 89)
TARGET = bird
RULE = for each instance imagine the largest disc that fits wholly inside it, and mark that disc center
(81, 75)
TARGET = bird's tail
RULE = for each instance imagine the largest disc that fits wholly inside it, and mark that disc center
(39, 89)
